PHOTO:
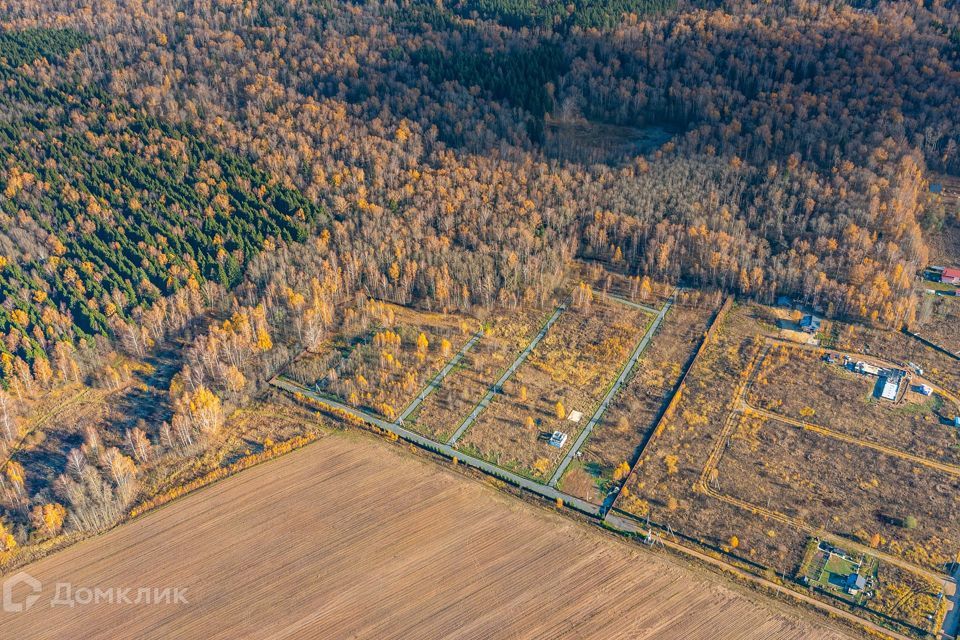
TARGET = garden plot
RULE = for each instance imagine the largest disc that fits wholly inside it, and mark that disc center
(863, 580)
(504, 336)
(799, 384)
(383, 356)
(611, 448)
(569, 371)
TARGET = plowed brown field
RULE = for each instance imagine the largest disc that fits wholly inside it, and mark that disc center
(349, 538)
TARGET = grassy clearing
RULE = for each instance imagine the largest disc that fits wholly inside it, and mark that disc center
(636, 408)
(383, 356)
(569, 370)
(939, 317)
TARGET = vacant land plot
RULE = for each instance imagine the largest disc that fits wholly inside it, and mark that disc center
(383, 356)
(845, 489)
(939, 317)
(797, 383)
(662, 482)
(350, 539)
(628, 421)
(569, 370)
(505, 335)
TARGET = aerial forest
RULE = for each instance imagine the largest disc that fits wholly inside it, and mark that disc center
(244, 174)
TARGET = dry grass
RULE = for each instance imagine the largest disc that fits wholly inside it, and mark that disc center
(348, 538)
(793, 382)
(574, 365)
(505, 335)
(940, 318)
(637, 406)
(845, 489)
(831, 485)
(661, 484)
(376, 362)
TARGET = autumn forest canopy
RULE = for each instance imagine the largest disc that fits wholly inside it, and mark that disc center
(162, 158)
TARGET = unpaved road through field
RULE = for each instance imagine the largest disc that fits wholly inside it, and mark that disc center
(351, 538)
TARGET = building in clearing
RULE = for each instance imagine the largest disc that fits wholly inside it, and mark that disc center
(575, 416)
(866, 368)
(558, 439)
(923, 390)
(810, 323)
(950, 275)
(890, 379)
(855, 583)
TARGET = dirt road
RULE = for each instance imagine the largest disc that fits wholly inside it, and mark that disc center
(349, 538)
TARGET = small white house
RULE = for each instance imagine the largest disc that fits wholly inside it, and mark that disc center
(924, 390)
(558, 439)
(575, 416)
(890, 388)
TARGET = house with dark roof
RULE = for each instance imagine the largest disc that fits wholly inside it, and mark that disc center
(810, 323)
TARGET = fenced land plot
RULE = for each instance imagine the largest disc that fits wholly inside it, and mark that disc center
(638, 405)
(383, 356)
(569, 370)
(844, 489)
(799, 384)
(505, 335)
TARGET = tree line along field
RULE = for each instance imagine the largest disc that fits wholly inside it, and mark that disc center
(607, 277)
(569, 370)
(383, 356)
(745, 483)
(356, 562)
(610, 449)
